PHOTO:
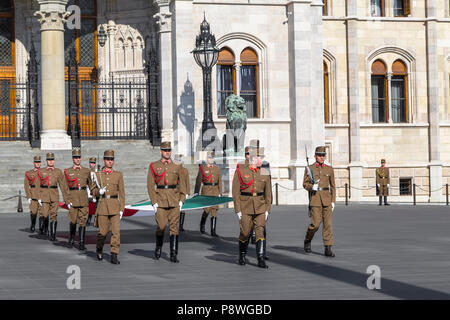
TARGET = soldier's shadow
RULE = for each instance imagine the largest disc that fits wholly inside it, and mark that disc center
(297, 250)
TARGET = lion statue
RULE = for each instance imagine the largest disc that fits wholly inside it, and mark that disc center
(236, 113)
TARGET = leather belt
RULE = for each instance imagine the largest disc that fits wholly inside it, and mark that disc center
(167, 187)
(32, 186)
(210, 184)
(52, 187)
(80, 188)
(110, 197)
(34, 199)
(254, 194)
(323, 189)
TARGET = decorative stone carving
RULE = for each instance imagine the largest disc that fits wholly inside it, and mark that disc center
(52, 20)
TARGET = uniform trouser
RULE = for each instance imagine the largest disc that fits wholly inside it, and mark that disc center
(49, 208)
(167, 215)
(383, 190)
(104, 224)
(34, 207)
(249, 221)
(318, 215)
(210, 210)
(80, 214)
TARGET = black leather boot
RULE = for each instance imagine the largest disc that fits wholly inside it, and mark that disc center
(265, 242)
(380, 202)
(328, 252)
(242, 252)
(174, 248)
(253, 236)
(202, 224)
(46, 220)
(72, 231)
(33, 222)
(307, 246)
(99, 252)
(159, 243)
(180, 228)
(260, 254)
(385, 201)
(53, 226)
(41, 225)
(213, 226)
(81, 236)
(114, 259)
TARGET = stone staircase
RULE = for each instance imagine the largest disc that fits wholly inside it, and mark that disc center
(132, 158)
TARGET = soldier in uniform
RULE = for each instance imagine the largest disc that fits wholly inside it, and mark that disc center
(50, 178)
(110, 189)
(252, 201)
(79, 182)
(209, 179)
(319, 181)
(31, 185)
(93, 170)
(383, 181)
(166, 188)
(187, 186)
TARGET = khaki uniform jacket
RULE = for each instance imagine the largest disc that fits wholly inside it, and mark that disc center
(187, 185)
(326, 175)
(55, 177)
(31, 184)
(209, 175)
(76, 179)
(382, 176)
(166, 174)
(246, 180)
(114, 187)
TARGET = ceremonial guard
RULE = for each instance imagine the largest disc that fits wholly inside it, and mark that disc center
(31, 186)
(319, 181)
(383, 181)
(166, 189)
(209, 179)
(187, 186)
(252, 197)
(93, 170)
(50, 178)
(79, 182)
(110, 189)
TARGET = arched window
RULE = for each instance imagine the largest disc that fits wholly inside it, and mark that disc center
(399, 92)
(402, 8)
(249, 81)
(326, 95)
(226, 78)
(379, 91)
(377, 8)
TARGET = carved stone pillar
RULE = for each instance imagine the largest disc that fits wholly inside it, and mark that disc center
(52, 15)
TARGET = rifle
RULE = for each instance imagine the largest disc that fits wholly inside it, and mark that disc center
(310, 175)
(99, 199)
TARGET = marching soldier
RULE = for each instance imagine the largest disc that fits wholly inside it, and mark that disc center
(252, 196)
(79, 182)
(50, 178)
(110, 189)
(209, 179)
(383, 181)
(31, 185)
(93, 170)
(166, 188)
(187, 187)
(319, 181)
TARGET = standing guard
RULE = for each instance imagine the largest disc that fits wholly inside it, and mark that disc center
(78, 182)
(92, 199)
(319, 181)
(252, 196)
(110, 189)
(167, 198)
(383, 181)
(49, 178)
(31, 186)
(209, 179)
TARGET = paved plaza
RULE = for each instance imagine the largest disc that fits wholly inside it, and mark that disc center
(410, 244)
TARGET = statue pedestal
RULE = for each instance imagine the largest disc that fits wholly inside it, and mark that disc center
(228, 167)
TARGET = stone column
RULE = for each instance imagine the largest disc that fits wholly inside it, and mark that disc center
(433, 103)
(51, 16)
(164, 17)
(355, 165)
(111, 31)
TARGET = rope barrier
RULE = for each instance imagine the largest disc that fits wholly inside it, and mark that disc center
(283, 187)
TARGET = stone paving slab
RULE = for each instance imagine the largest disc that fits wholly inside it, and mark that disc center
(410, 245)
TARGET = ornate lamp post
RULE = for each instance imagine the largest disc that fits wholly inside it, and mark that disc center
(206, 54)
(101, 36)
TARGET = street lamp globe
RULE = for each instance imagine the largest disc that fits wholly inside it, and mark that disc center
(206, 52)
(101, 36)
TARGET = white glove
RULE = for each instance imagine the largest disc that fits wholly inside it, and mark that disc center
(88, 192)
(388, 185)
(195, 194)
(121, 214)
(267, 215)
(239, 214)
(69, 205)
(332, 206)
(315, 187)
(94, 200)
(378, 185)
(102, 191)
(92, 176)
(181, 204)
(29, 200)
(40, 202)
(155, 207)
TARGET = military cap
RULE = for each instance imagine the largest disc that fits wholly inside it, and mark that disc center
(247, 149)
(93, 160)
(254, 143)
(76, 152)
(166, 145)
(50, 156)
(37, 159)
(383, 161)
(108, 154)
(321, 151)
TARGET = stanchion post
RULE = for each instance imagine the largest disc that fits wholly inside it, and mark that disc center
(19, 205)
(414, 194)
(276, 193)
(446, 194)
(346, 194)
